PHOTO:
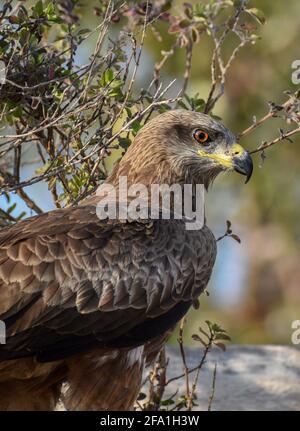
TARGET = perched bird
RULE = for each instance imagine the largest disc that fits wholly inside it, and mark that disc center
(88, 301)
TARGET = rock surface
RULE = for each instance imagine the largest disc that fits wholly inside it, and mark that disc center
(248, 377)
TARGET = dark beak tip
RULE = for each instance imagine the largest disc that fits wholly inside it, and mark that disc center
(248, 178)
(249, 174)
(244, 166)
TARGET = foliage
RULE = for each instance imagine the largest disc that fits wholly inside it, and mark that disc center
(211, 335)
(75, 114)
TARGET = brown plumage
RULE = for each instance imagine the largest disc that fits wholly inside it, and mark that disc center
(88, 301)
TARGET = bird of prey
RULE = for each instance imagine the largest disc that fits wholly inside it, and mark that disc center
(88, 301)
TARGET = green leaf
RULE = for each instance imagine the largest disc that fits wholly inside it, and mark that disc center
(199, 10)
(18, 112)
(167, 6)
(257, 14)
(216, 328)
(124, 142)
(128, 111)
(11, 208)
(109, 75)
(83, 31)
(51, 183)
(163, 108)
(116, 84)
(237, 3)
(184, 23)
(135, 127)
(222, 337)
(42, 169)
(167, 402)
(50, 11)
(20, 216)
(182, 104)
(38, 8)
(209, 325)
(115, 88)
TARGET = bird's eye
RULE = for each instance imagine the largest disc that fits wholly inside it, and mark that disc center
(201, 136)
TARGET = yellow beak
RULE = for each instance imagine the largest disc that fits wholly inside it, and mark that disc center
(236, 157)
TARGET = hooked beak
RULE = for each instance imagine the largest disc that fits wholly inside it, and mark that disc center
(242, 162)
(235, 158)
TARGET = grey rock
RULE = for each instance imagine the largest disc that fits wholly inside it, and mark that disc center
(248, 377)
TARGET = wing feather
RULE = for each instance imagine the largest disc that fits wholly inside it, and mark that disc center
(67, 278)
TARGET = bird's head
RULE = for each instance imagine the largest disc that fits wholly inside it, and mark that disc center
(191, 145)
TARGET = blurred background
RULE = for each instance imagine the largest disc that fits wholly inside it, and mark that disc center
(255, 290)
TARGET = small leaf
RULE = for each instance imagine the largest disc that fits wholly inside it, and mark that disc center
(11, 208)
(209, 324)
(128, 111)
(235, 237)
(188, 10)
(221, 346)
(196, 337)
(135, 126)
(199, 10)
(23, 213)
(223, 337)
(195, 35)
(124, 142)
(182, 104)
(167, 6)
(257, 14)
(203, 332)
(38, 8)
(237, 3)
(167, 402)
(84, 31)
(216, 328)
(18, 112)
(184, 23)
(107, 77)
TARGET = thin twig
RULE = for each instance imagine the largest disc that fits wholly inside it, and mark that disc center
(283, 136)
(262, 120)
(213, 389)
